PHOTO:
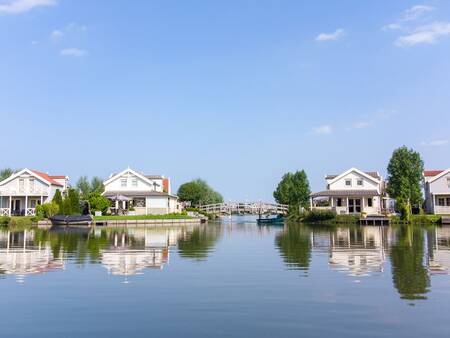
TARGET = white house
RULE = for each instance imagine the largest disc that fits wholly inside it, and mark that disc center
(352, 192)
(147, 194)
(21, 192)
(437, 191)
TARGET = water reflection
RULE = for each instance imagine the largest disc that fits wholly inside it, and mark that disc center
(439, 252)
(123, 252)
(294, 245)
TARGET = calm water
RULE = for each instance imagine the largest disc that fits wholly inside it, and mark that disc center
(233, 279)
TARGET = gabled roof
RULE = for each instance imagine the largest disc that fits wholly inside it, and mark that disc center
(145, 178)
(373, 176)
(438, 175)
(432, 173)
(50, 180)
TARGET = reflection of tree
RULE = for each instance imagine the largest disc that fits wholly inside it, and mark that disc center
(408, 271)
(199, 242)
(295, 246)
(78, 245)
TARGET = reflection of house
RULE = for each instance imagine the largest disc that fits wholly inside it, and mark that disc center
(21, 192)
(19, 256)
(439, 260)
(437, 191)
(352, 192)
(148, 194)
(359, 251)
(139, 249)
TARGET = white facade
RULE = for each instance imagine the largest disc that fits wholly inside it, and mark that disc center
(23, 191)
(352, 192)
(148, 194)
(437, 192)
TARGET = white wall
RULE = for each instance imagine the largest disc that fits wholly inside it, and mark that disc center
(142, 185)
(12, 187)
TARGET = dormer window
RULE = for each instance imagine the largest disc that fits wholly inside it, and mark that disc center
(360, 183)
(348, 183)
(123, 182)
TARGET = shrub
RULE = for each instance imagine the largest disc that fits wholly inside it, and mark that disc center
(47, 210)
(4, 220)
(98, 202)
(319, 216)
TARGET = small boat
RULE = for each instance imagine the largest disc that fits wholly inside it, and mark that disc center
(277, 220)
(77, 220)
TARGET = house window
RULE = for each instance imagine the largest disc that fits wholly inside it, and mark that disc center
(448, 182)
(348, 183)
(123, 182)
(339, 202)
(354, 205)
(21, 185)
(139, 202)
(31, 184)
(134, 182)
(370, 202)
(441, 202)
(360, 183)
(448, 201)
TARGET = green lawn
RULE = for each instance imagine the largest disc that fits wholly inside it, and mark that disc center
(141, 217)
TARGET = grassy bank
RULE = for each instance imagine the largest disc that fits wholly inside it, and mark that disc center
(328, 217)
(18, 222)
(141, 217)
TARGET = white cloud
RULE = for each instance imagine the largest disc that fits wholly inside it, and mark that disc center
(435, 143)
(416, 12)
(21, 6)
(362, 124)
(34, 42)
(427, 34)
(74, 52)
(57, 35)
(336, 35)
(75, 27)
(323, 130)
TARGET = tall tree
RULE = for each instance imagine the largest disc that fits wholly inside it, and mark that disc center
(199, 192)
(5, 173)
(83, 186)
(293, 190)
(97, 185)
(57, 198)
(72, 203)
(405, 177)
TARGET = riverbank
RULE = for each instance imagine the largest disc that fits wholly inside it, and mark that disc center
(330, 218)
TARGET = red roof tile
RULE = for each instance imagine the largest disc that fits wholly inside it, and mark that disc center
(47, 177)
(432, 173)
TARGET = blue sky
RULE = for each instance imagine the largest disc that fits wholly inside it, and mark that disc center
(235, 92)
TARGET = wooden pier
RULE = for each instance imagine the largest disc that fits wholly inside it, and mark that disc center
(375, 220)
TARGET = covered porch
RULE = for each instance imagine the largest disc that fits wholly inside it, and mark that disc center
(344, 202)
(441, 204)
(20, 205)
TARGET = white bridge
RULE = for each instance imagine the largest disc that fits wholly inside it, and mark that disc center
(246, 208)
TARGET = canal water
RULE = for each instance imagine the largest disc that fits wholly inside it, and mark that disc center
(230, 279)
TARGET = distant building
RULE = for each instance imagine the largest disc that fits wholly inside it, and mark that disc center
(352, 192)
(23, 191)
(437, 191)
(146, 194)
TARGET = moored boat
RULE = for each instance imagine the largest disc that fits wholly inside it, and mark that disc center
(277, 220)
(73, 221)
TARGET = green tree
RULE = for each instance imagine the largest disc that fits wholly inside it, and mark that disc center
(97, 185)
(98, 202)
(293, 190)
(71, 203)
(5, 173)
(199, 192)
(405, 178)
(84, 187)
(57, 198)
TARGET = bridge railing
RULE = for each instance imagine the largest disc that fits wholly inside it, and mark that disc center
(245, 207)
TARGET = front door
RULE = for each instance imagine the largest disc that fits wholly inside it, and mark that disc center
(15, 207)
(354, 205)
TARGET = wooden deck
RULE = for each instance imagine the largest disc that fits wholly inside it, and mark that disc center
(375, 220)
